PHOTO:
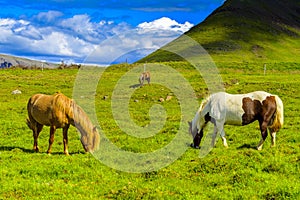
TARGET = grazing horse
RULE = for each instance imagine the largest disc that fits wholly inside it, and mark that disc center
(239, 109)
(58, 111)
(144, 76)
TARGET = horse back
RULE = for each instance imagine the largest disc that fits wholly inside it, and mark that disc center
(239, 109)
(252, 106)
(47, 110)
(145, 75)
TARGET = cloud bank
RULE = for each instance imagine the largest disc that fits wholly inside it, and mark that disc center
(52, 37)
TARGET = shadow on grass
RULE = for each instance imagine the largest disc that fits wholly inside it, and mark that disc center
(21, 149)
(135, 86)
(247, 146)
(14, 148)
(70, 153)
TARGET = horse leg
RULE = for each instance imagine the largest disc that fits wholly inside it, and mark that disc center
(35, 141)
(51, 139)
(36, 131)
(273, 137)
(214, 136)
(269, 108)
(264, 134)
(197, 139)
(223, 138)
(65, 136)
(141, 81)
(218, 127)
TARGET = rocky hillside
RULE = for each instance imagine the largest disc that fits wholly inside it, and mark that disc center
(7, 61)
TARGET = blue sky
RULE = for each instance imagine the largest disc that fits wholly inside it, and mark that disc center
(73, 30)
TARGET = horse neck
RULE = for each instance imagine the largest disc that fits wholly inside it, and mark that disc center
(195, 121)
(81, 120)
(199, 117)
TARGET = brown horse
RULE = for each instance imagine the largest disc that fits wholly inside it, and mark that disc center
(144, 76)
(58, 111)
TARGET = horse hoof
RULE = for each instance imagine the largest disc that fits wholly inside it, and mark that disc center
(259, 148)
(36, 149)
(194, 146)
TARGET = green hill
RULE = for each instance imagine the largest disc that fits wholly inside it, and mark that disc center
(246, 30)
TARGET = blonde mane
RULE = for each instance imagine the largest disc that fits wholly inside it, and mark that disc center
(82, 123)
(203, 103)
(198, 119)
(62, 103)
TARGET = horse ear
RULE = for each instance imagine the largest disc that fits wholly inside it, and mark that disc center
(190, 123)
(94, 129)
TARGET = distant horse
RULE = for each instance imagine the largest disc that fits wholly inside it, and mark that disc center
(58, 111)
(144, 76)
(240, 109)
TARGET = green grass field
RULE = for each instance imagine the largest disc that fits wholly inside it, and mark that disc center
(239, 172)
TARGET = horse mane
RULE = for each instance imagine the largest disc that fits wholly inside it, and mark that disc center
(199, 115)
(62, 103)
(203, 103)
(78, 118)
(89, 135)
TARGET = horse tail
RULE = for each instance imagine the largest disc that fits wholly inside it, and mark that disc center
(29, 119)
(29, 124)
(278, 115)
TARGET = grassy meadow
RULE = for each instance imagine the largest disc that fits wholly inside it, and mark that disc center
(239, 172)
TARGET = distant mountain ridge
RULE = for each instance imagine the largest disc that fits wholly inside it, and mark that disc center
(7, 61)
(246, 30)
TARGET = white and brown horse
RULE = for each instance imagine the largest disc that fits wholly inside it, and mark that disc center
(58, 111)
(239, 109)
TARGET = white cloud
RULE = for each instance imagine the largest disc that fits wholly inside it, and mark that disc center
(78, 23)
(29, 31)
(164, 24)
(49, 16)
(146, 37)
(104, 22)
(78, 37)
(7, 23)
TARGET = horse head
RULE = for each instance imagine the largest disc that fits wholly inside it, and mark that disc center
(194, 131)
(90, 142)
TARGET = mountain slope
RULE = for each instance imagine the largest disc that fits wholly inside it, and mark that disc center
(246, 30)
(7, 61)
